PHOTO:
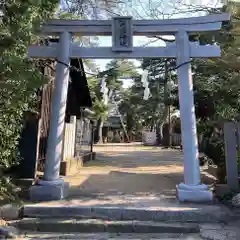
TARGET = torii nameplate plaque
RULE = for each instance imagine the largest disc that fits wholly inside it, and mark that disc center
(122, 34)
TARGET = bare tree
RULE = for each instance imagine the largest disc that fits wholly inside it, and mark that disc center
(91, 9)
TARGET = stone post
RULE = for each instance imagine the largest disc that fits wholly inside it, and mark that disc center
(191, 189)
(231, 154)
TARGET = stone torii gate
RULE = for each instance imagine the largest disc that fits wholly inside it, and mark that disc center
(122, 29)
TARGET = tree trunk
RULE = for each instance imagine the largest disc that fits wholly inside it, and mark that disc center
(163, 119)
(99, 129)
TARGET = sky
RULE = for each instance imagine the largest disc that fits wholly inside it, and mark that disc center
(166, 7)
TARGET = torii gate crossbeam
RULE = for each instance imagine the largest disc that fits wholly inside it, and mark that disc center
(122, 30)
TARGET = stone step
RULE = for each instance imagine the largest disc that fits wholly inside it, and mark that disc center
(207, 231)
(112, 236)
(198, 213)
(97, 225)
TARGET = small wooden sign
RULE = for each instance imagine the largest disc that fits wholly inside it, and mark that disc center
(122, 34)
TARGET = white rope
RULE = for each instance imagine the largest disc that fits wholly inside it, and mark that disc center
(104, 90)
(145, 83)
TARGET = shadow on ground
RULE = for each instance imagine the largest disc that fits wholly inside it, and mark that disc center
(120, 189)
(126, 174)
(134, 159)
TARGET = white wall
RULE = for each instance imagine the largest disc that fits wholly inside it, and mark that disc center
(69, 139)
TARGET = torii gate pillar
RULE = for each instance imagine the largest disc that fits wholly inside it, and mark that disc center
(191, 189)
(51, 187)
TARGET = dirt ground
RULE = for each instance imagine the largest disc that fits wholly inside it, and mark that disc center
(129, 170)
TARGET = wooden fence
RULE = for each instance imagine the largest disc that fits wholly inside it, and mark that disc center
(176, 139)
(44, 121)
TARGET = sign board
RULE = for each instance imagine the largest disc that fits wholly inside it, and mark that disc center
(122, 34)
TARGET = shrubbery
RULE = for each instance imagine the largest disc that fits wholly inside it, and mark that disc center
(19, 76)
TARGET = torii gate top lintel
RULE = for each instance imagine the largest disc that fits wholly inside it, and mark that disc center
(122, 30)
(140, 27)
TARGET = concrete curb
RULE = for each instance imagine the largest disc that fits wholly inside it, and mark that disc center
(121, 214)
(94, 226)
